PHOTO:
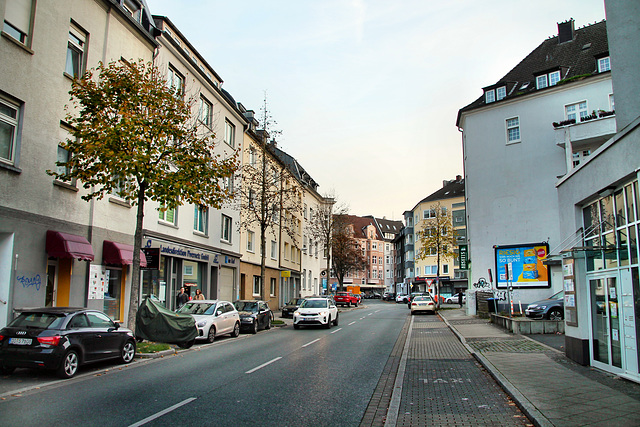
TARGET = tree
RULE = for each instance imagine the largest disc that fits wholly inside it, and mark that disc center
(436, 238)
(320, 226)
(135, 136)
(347, 255)
(265, 200)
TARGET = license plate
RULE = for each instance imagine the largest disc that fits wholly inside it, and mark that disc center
(20, 341)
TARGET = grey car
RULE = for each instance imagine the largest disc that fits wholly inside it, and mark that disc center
(551, 308)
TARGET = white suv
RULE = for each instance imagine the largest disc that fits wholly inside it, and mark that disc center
(316, 311)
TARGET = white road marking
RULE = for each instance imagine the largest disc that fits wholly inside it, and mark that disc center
(351, 323)
(263, 365)
(369, 314)
(337, 330)
(161, 413)
(309, 343)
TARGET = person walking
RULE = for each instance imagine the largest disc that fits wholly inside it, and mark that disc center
(460, 298)
(199, 295)
(181, 298)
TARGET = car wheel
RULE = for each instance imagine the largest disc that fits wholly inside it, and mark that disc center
(128, 352)
(555, 314)
(335, 322)
(211, 336)
(236, 330)
(356, 304)
(328, 325)
(296, 326)
(268, 325)
(7, 370)
(254, 329)
(348, 304)
(69, 365)
(186, 344)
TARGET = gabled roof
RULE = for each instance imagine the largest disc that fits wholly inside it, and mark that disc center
(573, 58)
(293, 166)
(359, 224)
(450, 190)
(386, 225)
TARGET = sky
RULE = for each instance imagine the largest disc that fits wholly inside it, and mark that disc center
(366, 92)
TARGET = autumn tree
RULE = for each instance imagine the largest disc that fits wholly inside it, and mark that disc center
(136, 136)
(268, 199)
(320, 226)
(436, 238)
(347, 254)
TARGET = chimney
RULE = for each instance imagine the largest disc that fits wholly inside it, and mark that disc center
(565, 31)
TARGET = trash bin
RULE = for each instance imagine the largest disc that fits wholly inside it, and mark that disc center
(491, 303)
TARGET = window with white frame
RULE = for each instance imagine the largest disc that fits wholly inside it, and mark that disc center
(604, 64)
(579, 156)
(576, 111)
(132, 8)
(550, 79)
(272, 288)
(253, 157)
(490, 96)
(63, 156)
(9, 119)
(205, 111)
(445, 269)
(513, 130)
(501, 93)
(76, 52)
(17, 20)
(541, 81)
(612, 104)
(175, 81)
(201, 219)
(227, 183)
(554, 78)
(256, 285)
(167, 215)
(274, 249)
(250, 239)
(225, 232)
(229, 133)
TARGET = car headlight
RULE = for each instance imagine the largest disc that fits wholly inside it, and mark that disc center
(202, 323)
(532, 306)
(542, 307)
(322, 313)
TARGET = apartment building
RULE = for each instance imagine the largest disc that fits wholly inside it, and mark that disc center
(389, 231)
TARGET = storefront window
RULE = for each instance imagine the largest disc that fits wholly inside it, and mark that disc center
(191, 277)
(154, 282)
(112, 293)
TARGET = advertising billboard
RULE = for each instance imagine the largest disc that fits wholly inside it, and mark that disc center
(521, 266)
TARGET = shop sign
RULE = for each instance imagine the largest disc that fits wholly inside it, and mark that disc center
(285, 273)
(153, 258)
(463, 256)
(229, 260)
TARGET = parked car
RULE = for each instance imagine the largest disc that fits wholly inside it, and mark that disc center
(316, 311)
(423, 303)
(291, 306)
(551, 308)
(413, 295)
(358, 298)
(453, 299)
(389, 296)
(345, 298)
(376, 295)
(62, 339)
(154, 322)
(254, 315)
(213, 318)
(402, 298)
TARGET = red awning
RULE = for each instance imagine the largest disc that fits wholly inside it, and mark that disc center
(120, 254)
(63, 245)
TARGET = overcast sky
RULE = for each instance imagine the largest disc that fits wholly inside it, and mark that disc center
(366, 93)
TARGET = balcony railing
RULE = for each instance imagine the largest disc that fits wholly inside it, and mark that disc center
(593, 129)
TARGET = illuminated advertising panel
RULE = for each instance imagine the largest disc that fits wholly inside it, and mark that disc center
(521, 266)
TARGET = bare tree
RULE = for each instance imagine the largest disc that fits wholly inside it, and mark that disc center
(347, 254)
(265, 199)
(436, 238)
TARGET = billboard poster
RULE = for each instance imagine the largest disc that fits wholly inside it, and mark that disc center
(521, 266)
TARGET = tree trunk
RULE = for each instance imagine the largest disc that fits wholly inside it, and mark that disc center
(134, 299)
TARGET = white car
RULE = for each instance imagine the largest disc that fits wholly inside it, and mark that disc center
(453, 299)
(403, 298)
(423, 303)
(316, 311)
(213, 318)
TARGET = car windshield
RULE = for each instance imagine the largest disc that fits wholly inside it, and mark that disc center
(314, 303)
(197, 308)
(559, 295)
(38, 320)
(250, 306)
(295, 301)
(422, 298)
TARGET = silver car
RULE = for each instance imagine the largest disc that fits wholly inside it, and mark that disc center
(213, 318)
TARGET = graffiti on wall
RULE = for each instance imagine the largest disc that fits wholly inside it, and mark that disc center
(30, 281)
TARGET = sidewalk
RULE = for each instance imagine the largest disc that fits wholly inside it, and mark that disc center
(548, 387)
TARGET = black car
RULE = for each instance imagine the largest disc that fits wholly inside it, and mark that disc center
(62, 339)
(254, 315)
(292, 305)
(551, 308)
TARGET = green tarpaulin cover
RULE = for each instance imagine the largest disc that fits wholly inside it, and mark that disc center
(156, 323)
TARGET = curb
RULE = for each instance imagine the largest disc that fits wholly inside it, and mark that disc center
(523, 403)
(157, 355)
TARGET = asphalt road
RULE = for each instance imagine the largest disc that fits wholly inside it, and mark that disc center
(281, 377)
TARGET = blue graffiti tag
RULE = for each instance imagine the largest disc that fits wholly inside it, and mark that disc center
(30, 281)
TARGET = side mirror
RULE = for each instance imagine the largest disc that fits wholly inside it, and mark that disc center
(117, 325)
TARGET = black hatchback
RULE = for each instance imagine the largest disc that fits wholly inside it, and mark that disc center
(62, 339)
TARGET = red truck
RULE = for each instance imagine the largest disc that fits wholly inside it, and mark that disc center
(345, 298)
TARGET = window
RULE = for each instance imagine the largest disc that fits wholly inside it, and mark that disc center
(175, 82)
(612, 103)
(200, 219)
(229, 133)
(576, 111)
(250, 238)
(445, 269)
(205, 112)
(272, 288)
(489, 96)
(580, 156)
(225, 234)
(513, 130)
(374, 260)
(417, 271)
(541, 82)
(227, 183)
(274, 249)
(554, 78)
(604, 64)
(9, 116)
(256, 285)
(550, 79)
(253, 157)
(428, 213)
(132, 8)
(17, 20)
(75, 52)
(63, 157)
(501, 92)
(286, 251)
(167, 215)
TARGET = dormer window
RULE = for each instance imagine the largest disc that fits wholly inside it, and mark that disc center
(545, 80)
(489, 96)
(604, 64)
(501, 92)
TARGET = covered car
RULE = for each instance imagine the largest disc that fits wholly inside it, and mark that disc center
(154, 322)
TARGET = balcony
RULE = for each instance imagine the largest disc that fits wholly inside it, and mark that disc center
(593, 132)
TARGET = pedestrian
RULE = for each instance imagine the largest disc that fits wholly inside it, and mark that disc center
(181, 298)
(460, 298)
(199, 294)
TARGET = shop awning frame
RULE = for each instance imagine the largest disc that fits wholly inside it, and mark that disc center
(65, 245)
(114, 253)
